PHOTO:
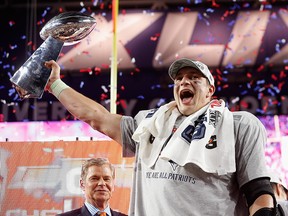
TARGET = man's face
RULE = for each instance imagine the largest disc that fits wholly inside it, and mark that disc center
(192, 90)
(98, 185)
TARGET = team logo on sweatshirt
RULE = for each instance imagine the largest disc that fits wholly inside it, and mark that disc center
(212, 143)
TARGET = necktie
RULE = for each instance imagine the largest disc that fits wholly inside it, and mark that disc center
(102, 213)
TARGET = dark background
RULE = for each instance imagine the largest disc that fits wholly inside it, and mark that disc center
(21, 22)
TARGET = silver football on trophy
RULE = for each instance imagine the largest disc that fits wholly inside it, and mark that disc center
(69, 27)
(64, 29)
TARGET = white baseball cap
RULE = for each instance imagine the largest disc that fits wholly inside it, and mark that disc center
(184, 62)
(275, 178)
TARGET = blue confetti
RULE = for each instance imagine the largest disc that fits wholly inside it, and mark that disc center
(271, 92)
(260, 82)
(260, 111)
(198, 1)
(83, 10)
(210, 10)
(11, 91)
(161, 102)
(155, 86)
(277, 48)
(244, 92)
(268, 6)
(276, 89)
(229, 66)
(256, 89)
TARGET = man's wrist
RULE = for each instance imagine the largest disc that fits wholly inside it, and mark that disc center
(57, 87)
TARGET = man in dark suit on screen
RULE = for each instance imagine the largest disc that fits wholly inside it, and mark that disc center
(97, 183)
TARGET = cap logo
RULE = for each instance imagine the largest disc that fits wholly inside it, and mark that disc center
(200, 65)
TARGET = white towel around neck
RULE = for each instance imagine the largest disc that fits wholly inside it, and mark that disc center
(183, 150)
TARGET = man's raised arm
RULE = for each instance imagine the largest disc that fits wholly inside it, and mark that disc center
(82, 107)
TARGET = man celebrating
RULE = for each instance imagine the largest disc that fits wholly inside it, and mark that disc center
(193, 156)
(97, 183)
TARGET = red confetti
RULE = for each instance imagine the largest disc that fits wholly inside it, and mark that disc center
(85, 70)
(103, 96)
(265, 106)
(218, 71)
(280, 85)
(220, 78)
(123, 104)
(106, 66)
(244, 104)
(153, 38)
(214, 4)
(274, 77)
(282, 74)
(97, 70)
(260, 68)
(275, 102)
(89, 9)
(102, 6)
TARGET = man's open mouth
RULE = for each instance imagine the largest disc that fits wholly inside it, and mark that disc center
(186, 95)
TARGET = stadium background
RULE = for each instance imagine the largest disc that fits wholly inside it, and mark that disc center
(42, 146)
